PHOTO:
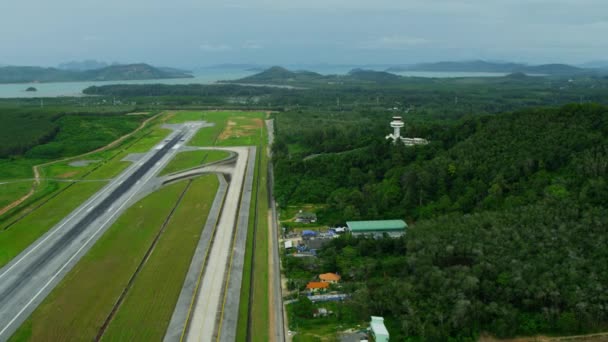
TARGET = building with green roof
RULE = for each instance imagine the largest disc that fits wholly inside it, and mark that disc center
(394, 228)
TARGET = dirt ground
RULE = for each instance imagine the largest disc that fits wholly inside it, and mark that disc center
(233, 130)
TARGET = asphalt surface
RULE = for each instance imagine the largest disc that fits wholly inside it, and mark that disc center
(208, 306)
(31, 276)
(232, 297)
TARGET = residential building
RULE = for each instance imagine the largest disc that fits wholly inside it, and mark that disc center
(315, 286)
(331, 278)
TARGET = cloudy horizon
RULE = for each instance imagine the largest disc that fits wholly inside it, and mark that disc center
(189, 33)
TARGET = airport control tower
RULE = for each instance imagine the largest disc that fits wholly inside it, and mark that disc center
(396, 124)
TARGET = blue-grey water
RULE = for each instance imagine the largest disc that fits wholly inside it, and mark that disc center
(206, 76)
(57, 89)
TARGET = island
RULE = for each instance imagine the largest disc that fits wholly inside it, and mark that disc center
(141, 71)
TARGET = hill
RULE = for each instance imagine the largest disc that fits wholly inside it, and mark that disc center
(373, 76)
(280, 75)
(483, 66)
(82, 65)
(27, 74)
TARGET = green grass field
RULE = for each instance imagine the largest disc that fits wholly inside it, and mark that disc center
(22, 234)
(11, 191)
(324, 328)
(189, 159)
(76, 308)
(231, 128)
(147, 309)
(260, 304)
(41, 219)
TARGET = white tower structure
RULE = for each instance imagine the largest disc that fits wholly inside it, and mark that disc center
(396, 124)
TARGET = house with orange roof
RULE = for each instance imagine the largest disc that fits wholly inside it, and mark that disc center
(331, 278)
(315, 286)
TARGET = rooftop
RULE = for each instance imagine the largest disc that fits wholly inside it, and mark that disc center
(329, 277)
(361, 226)
(378, 327)
(317, 285)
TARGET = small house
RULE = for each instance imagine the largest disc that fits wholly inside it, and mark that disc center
(331, 278)
(306, 217)
(316, 286)
(288, 244)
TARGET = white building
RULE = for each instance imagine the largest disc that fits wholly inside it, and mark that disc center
(397, 124)
(378, 329)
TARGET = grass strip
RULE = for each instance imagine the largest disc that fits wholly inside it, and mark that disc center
(189, 159)
(253, 321)
(78, 306)
(146, 312)
(24, 232)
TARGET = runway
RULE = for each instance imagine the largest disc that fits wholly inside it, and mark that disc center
(31, 276)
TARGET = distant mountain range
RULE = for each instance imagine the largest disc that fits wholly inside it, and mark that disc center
(483, 66)
(20, 74)
(83, 65)
(280, 75)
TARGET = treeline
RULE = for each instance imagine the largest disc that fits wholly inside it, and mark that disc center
(22, 129)
(479, 164)
(83, 133)
(49, 133)
(429, 98)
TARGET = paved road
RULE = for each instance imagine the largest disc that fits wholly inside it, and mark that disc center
(207, 309)
(275, 282)
(30, 277)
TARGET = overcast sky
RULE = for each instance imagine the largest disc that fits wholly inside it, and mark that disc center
(190, 33)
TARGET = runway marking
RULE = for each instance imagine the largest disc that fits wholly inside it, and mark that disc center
(70, 218)
(70, 260)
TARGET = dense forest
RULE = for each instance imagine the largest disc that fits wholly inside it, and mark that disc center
(507, 218)
(42, 133)
(480, 163)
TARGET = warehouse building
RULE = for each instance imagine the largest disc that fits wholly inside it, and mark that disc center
(394, 228)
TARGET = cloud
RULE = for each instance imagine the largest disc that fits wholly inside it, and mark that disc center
(92, 38)
(214, 47)
(252, 44)
(393, 43)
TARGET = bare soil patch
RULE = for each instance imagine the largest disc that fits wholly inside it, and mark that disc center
(232, 129)
(68, 174)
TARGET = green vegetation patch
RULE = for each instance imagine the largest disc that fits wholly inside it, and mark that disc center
(11, 191)
(147, 309)
(231, 128)
(189, 159)
(260, 303)
(20, 235)
(340, 317)
(83, 133)
(78, 306)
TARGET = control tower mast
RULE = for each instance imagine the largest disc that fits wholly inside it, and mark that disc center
(397, 123)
